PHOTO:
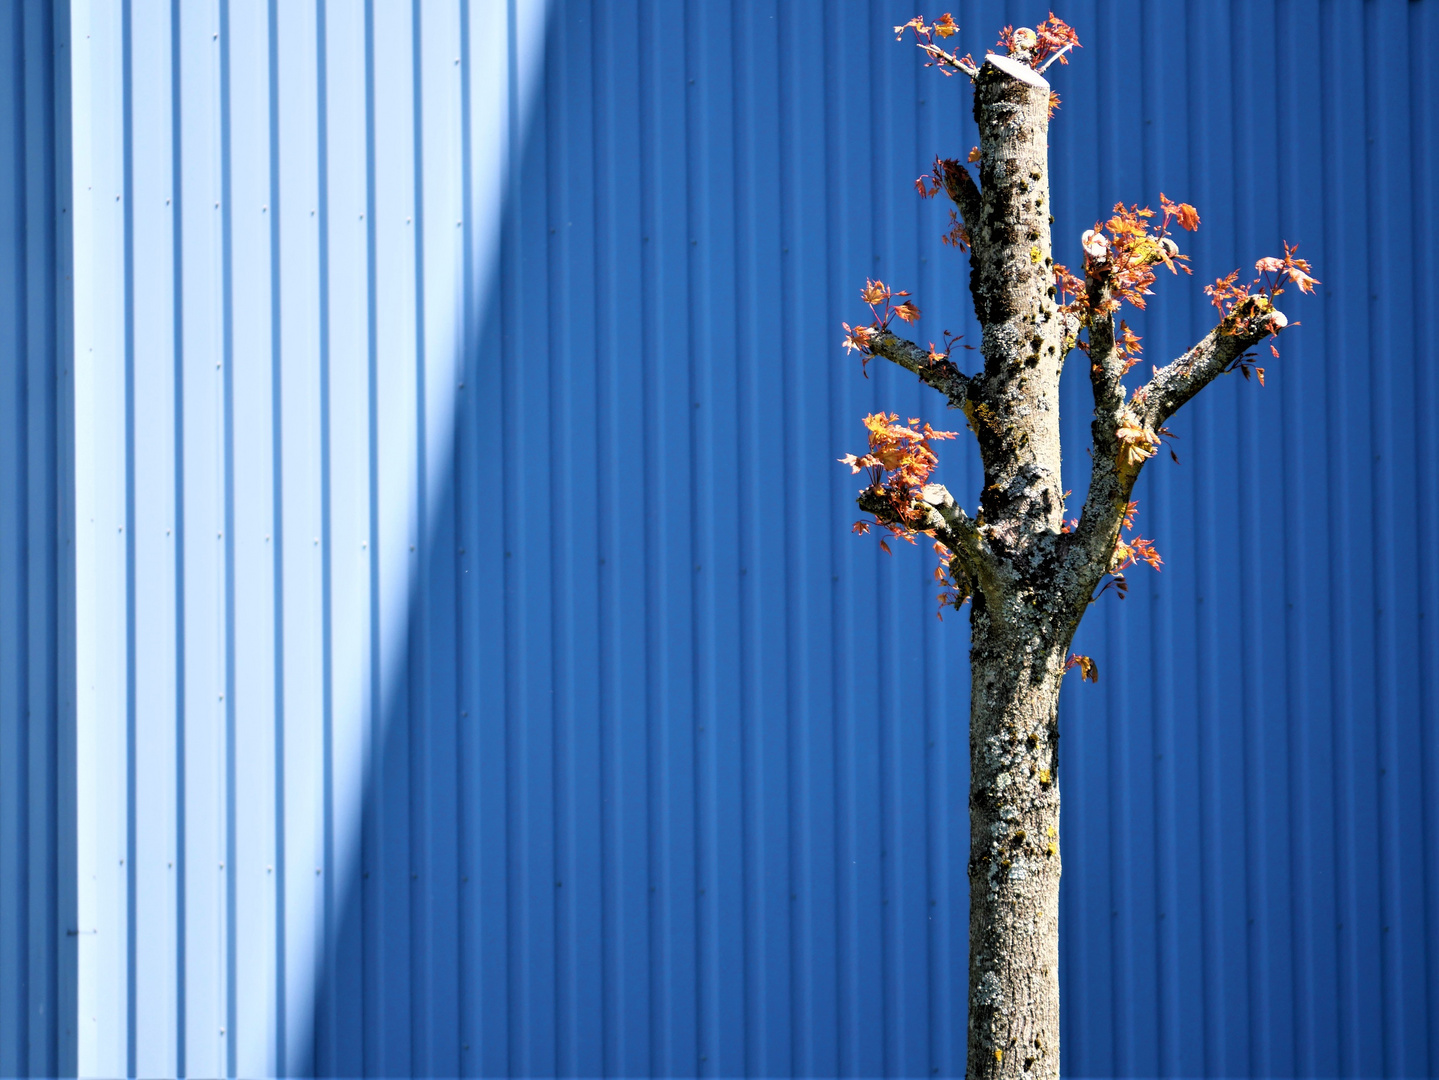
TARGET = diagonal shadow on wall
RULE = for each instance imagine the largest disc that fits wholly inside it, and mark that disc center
(623, 811)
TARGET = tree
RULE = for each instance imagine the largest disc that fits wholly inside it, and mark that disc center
(1028, 573)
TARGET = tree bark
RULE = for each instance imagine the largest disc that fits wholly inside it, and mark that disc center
(1032, 579)
(1014, 863)
(1021, 623)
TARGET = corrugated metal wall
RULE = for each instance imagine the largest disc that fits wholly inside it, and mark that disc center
(475, 671)
(33, 817)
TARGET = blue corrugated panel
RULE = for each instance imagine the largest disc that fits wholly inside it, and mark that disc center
(476, 673)
(33, 917)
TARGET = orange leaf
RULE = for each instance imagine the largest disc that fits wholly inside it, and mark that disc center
(874, 292)
(1088, 669)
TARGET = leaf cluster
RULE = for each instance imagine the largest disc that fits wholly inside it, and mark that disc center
(878, 296)
(900, 460)
(1119, 259)
(1039, 48)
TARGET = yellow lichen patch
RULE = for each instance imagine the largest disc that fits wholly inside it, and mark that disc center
(999, 1055)
(1051, 848)
(1044, 776)
(1035, 254)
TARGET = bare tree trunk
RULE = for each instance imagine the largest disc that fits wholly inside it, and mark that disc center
(1014, 851)
(1021, 625)
(1030, 577)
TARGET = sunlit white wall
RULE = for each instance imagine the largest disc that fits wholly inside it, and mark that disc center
(278, 213)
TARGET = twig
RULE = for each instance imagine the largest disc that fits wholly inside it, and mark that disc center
(1055, 57)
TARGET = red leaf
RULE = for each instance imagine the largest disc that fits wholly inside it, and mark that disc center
(907, 311)
(1088, 669)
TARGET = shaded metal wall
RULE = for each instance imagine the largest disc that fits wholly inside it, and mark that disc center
(475, 671)
(35, 820)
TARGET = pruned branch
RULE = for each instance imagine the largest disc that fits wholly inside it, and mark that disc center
(944, 519)
(951, 525)
(1179, 380)
(1126, 434)
(1106, 367)
(937, 372)
(964, 193)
